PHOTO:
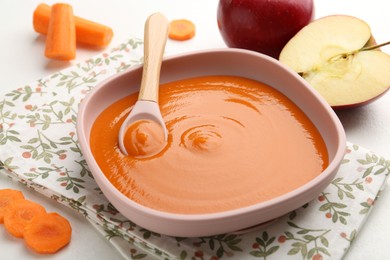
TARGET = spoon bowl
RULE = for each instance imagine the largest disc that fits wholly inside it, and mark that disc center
(146, 107)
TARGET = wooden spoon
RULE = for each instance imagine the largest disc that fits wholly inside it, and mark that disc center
(146, 107)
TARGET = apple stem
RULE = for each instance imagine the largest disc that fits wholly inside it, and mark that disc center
(348, 54)
(368, 48)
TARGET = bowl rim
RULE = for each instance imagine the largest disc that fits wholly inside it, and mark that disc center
(101, 178)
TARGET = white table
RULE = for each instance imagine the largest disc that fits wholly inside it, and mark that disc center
(22, 62)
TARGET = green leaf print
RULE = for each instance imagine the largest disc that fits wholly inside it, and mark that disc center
(345, 188)
(70, 182)
(366, 206)
(41, 147)
(334, 210)
(374, 165)
(7, 133)
(25, 93)
(221, 245)
(308, 242)
(73, 80)
(263, 246)
(148, 234)
(7, 164)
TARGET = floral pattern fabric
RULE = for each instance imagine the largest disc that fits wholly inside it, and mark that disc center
(39, 148)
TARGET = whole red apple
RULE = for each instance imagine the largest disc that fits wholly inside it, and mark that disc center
(262, 25)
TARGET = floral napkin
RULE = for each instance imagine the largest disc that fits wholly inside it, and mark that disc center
(39, 147)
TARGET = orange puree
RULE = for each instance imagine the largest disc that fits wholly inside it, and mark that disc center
(144, 138)
(233, 142)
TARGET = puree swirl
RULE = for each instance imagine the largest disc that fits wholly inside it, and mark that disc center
(233, 142)
(144, 138)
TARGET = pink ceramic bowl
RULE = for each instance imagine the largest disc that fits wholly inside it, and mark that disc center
(216, 62)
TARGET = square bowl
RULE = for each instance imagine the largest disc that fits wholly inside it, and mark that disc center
(233, 62)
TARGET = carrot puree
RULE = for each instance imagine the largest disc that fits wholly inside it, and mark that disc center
(233, 142)
(144, 138)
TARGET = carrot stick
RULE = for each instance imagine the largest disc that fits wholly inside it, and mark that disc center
(61, 34)
(18, 214)
(47, 233)
(6, 197)
(181, 30)
(87, 32)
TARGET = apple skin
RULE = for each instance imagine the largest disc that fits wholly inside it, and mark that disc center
(360, 104)
(264, 26)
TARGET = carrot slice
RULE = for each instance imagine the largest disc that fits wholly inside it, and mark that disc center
(61, 35)
(6, 197)
(18, 214)
(47, 233)
(87, 32)
(181, 30)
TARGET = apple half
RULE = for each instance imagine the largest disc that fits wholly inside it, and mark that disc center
(335, 54)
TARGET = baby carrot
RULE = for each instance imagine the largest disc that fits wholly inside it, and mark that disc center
(47, 233)
(6, 197)
(87, 32)
(61, 34)
(181, 30)
(18, 214)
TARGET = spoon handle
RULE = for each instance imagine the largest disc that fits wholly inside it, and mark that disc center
(156, 32)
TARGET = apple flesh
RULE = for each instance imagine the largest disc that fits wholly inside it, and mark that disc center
(333, 55)
(262, 25)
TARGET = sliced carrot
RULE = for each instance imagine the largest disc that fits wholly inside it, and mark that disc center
(61, 35)
(43, 232)
(18, 214)
(87, 32)
(47, 233)
(181, 30)
(6, 197)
